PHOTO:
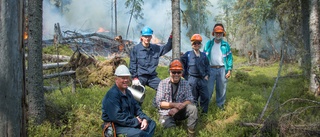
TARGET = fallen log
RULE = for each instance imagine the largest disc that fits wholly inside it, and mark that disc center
(66, 73)
(53, 65)
(55, 58)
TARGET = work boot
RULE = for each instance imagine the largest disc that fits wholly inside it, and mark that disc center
(191, 132)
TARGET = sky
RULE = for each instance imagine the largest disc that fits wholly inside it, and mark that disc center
(88, 17)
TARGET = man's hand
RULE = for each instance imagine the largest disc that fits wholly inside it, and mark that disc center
(139, 119)
(144, 124)
(206, 77)
(177, 105)
(181, 106)
(136, 81)
(173, 111)
(228, 74)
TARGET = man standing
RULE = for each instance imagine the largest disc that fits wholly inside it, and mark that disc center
(119, 107)
(197, 68)
(144, 59)
(220, 58)
(174, 99)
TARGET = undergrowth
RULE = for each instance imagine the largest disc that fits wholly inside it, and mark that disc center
(79, 114)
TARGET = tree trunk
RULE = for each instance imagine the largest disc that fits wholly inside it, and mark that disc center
(131, 14)
(306, 38)
(314, 44)
(176, 48)
(35, 97)
(12, 69)
(115, 18)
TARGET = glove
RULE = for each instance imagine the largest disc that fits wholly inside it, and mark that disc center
(136, 81)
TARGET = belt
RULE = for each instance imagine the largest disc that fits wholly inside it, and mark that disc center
(195, 76)
(216, 66)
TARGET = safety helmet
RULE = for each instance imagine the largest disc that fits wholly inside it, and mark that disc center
(122, 70)
(146, 31)
(196, 37)
(176, 65)
(218, 28)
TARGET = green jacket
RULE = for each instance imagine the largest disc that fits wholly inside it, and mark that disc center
(226, 53)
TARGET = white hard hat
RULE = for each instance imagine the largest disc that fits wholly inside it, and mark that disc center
(122, 70)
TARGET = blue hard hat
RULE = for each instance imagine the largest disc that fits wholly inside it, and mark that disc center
(146, 31)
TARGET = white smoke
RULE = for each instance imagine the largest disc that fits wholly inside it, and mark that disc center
(88, 16)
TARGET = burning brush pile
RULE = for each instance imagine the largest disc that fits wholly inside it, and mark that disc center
(93, 44)
(89, 70)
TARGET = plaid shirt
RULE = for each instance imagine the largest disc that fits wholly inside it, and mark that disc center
(164, 93)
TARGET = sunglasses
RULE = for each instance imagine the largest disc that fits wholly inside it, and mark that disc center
(176, 72)
(196, 43)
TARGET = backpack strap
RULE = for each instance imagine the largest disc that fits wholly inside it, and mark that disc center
(105, 128)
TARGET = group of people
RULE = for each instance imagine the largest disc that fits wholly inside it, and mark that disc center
(188, 88)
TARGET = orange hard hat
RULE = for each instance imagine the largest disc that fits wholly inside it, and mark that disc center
(196, 37)
(218, 29)
(176, 65)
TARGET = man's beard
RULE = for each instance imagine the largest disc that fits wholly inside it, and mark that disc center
(219, 38)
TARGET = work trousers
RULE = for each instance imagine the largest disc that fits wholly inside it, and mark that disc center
(199, 89)
(149, 80)
(190, 112)
(137, 132)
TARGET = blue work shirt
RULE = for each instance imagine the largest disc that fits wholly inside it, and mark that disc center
(144, 61)
(196, 66)
(121, 109)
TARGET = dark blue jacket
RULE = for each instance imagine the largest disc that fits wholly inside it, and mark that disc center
(143, 61)
(121, 109)
(195, 66)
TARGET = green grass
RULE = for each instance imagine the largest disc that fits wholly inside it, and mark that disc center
(63, 50)
(248, 90)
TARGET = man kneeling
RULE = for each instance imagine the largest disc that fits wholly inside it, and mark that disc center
(174, 99)
(120, 107)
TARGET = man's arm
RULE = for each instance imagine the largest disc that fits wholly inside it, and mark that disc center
(116, 115)
(229, 58)
(166, 48)
(168, 105)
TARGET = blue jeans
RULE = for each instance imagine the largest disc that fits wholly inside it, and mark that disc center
(218, 78)
(137, 132)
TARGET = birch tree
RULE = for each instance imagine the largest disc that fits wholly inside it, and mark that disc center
(314, 44)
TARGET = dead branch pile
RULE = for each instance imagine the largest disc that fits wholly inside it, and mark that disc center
(90, 71)
(94, 44)
(301, 121)
(296, 117)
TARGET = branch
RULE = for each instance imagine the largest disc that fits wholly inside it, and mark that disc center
(273, 89)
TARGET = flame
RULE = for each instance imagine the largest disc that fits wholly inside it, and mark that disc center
(25, 32)
(102, 30)
(25, 35)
